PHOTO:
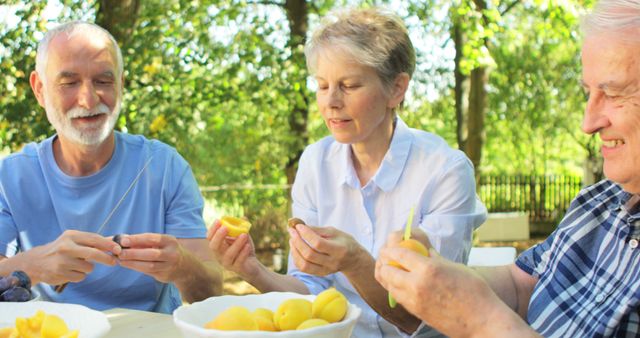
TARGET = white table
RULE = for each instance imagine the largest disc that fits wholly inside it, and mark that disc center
(491, 256)
(127, 323)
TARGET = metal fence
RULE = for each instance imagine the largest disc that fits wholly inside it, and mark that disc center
(544, 198)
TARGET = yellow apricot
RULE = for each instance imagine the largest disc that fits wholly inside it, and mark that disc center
(6, 332)
(71, 334)
(264, 318)
(412, 245)
(291, 313)
(40, 325)
(35, 322)
(235, 318)
(330, 305)
(235, 225)
(23, 329)
(313, 322)
(53, 327)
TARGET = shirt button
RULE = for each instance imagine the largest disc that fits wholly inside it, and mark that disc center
(599, 298)
(633, 243)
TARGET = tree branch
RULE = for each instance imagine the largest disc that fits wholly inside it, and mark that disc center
(266, 2)
(314, 7)
(513, 4)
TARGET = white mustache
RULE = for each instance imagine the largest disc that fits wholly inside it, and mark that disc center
(77, 112)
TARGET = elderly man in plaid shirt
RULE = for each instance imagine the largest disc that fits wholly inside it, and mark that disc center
(584, 280)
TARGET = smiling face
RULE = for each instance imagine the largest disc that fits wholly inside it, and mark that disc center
(611, 77)
(80, 90)
(354, 104)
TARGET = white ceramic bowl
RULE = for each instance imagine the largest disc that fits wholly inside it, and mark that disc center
(90, 323)
(190, 319)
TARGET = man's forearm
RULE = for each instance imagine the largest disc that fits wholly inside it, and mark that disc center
(363, 280)
(18, 262)
(200, 280)
(502, 323)
(500, 281)
(5, 266)
(513, 288)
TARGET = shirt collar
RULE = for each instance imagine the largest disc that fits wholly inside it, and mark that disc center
(632, 207)
(349, 176)
(617, 199)
(392, 164)
(396, 158)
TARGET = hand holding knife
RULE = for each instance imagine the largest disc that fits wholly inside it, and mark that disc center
(61, 287)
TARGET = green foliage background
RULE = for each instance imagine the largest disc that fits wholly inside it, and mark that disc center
(214, 79)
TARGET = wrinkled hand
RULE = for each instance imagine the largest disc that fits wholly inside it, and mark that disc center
(446, 295)
(156, 255)
(323, 250)
(235, 254)
(70, 257)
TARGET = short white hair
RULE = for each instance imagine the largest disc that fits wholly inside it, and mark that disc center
(614, 16)
(374, 37)
(70, 28)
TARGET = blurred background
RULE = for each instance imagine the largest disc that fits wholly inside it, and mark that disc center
(225, 83)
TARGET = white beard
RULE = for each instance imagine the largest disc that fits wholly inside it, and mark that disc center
(89, 136)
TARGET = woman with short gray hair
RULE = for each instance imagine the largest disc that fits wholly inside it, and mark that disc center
(357, 186)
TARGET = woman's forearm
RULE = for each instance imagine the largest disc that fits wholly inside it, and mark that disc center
(266, 280)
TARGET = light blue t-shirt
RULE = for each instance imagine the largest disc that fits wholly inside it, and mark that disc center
(419, 170)
(38, 202)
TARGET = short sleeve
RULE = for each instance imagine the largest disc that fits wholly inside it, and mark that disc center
(184, 210)
(8, 230)
(534, 260)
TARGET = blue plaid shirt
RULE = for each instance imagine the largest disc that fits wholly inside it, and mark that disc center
(588, 269)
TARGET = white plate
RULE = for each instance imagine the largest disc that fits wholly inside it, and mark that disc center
(90, 323)
(190, 319)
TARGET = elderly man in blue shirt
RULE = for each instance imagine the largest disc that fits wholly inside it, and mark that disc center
(584, 280)
(62, 199)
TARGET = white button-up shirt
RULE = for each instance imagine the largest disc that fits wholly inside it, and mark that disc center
(419, 170)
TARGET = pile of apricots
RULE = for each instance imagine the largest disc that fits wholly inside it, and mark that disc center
(330, 306)
(40, 325)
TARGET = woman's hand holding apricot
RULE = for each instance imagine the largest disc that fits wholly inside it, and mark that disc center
(323, 250)
(235, 254)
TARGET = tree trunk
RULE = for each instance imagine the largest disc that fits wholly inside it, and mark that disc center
(461, 89)
(119, 18)
(476, 114)
(297, 15)
(470, 98)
